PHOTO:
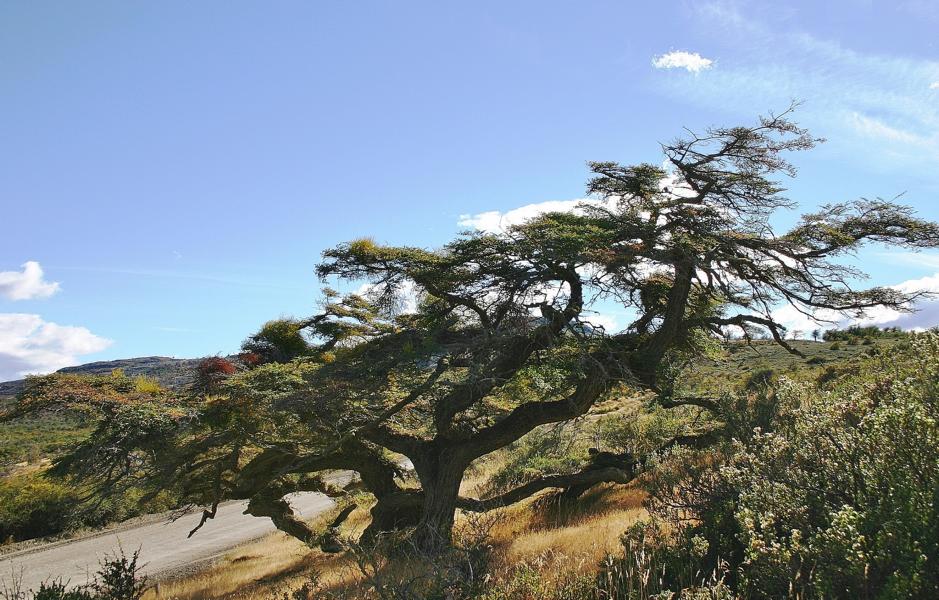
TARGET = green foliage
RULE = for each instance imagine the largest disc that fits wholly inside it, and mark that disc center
(117, 409)
(280, 340)
(147, 385)
(35, 505)
(859, 514)
(31, 439)
(641, 432)
(837, 499)
(856, 332)
(547, 450)
(118, 578)
(57, 590)
(32, 506)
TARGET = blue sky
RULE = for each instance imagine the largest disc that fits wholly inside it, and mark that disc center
(173, 170)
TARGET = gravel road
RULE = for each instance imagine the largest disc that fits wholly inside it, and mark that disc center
(164, 548)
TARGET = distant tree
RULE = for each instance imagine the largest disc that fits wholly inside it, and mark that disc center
(280, 341)
(497, 346)
(797, 334)
(816, 333)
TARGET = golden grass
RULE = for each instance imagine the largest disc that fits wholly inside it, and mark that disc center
(584, 531)
(259, 570)
(540, 531)
(253, 566)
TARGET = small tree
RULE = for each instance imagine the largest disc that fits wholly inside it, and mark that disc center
(816, 333)
(499, 344)
(280, 340)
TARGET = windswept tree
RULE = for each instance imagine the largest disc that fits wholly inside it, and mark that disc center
(501, 341)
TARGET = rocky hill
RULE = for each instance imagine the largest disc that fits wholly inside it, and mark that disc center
(170, 372)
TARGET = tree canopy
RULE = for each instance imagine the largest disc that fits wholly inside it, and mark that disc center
(501, 341)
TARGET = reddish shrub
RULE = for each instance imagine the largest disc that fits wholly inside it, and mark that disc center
(250, 359)
(212, 371)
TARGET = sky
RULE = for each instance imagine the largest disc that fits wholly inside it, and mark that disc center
(170, 172)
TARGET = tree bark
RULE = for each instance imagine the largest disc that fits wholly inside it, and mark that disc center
(440, 471)
(394, 512)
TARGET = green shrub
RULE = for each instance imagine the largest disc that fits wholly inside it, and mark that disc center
(57, 590)
(118, 578)
(839, 500)
(33, 506)
(845, 498)
(554, 449)
(760, 379)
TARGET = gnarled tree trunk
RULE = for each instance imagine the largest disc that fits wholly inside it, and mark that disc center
(440, 471)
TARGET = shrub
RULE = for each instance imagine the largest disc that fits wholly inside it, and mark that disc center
(118, 578)
(35, 504)
(57, 590)
(845, 498)
(147, 385)
(840, 500)
(759, 380)
(211, 372)
(32, 506)
(555, 449)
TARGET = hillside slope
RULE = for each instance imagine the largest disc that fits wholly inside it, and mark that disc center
(32, 440)
(170, 372)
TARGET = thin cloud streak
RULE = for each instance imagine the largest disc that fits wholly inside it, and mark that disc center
(879, 102)
(185, 276)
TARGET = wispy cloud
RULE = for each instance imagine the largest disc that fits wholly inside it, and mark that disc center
(928, 260)
(680, 59)
(158, 274)
(26, 284)
(877, 129)
(934, 85)
(884, 104)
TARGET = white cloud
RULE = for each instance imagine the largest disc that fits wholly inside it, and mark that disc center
(28, 344)
(495, 221)
(607, 321)
(925, 315)
(934, 85)
(26, 284)
(679, 59)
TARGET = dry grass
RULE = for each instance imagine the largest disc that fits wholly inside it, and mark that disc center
(254, 566)
(540, 531)
(584, 532)
(263, 569)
